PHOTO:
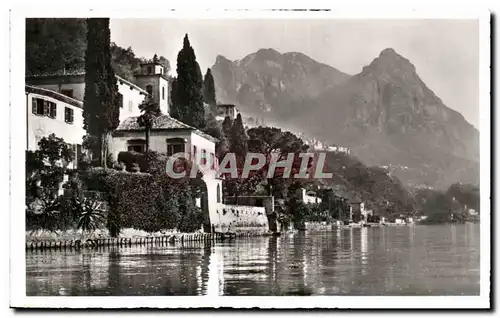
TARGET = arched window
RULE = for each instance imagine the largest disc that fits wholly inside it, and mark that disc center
(149, 89)
(218, 193)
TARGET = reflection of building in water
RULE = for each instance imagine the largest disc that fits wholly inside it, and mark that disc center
(215, 283)
(364, 250)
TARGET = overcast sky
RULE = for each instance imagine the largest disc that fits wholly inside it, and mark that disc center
(444, 52)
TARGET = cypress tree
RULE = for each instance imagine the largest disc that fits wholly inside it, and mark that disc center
(101, 111)
(238, 138)
(187, 106)
(224, 143)
(209, 89)
(174, 102)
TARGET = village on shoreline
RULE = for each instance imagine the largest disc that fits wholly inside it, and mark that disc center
(98, 146)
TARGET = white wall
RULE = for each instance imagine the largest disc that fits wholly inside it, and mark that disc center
(157, 83)
(42, 126)
(201, 143)
(131, 100)
(157, 140)
(309, 198)
(129, 95)
(233, 218)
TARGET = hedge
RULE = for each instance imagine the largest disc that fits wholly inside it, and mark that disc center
(151, 203)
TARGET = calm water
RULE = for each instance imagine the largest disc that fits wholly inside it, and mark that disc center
(418, 260)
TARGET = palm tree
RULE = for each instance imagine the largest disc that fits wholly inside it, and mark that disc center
(150, 110)
(90, 213)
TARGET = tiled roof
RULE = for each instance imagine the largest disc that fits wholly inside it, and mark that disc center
(54, 94)
(80, 72)
(164, 122)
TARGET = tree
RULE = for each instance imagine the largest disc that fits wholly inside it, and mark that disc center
(48, 165)
(124, 62)
(187, 105)
(209, 89)
(238, 138)
(173, 100)
(149, 111)
(55, 45)
(100, 105)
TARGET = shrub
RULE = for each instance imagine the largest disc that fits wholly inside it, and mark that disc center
(131, 158)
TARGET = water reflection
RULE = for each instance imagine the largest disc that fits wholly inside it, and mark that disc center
(420, 260)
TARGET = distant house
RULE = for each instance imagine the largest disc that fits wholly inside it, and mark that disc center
(225, 110)
(473, 212)
(357, 210)
(309, 197)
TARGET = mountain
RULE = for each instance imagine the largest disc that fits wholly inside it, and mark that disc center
(386, 114)
(269, 82)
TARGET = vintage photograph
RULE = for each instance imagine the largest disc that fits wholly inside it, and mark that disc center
(254, 156)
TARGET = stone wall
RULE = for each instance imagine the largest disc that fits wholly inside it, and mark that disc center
(240, 218)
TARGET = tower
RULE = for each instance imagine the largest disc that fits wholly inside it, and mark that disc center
(153, 79)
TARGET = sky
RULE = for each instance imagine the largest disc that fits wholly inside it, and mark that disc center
(445, 52)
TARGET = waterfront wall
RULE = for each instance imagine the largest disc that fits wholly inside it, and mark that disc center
(181, 238)
(240, 218)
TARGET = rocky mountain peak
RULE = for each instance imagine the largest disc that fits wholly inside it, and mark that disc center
(221, 59)
(390, 63)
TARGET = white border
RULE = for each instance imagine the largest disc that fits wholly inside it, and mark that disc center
(395, 11)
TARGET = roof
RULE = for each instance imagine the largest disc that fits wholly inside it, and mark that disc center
(121, 79)
(226, 105)
(53, 94)
(80, 72)
(163, 122)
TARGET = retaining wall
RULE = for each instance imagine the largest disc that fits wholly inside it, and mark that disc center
(240, 218)
(126, 242)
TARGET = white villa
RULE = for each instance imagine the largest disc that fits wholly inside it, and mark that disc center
(54, 105)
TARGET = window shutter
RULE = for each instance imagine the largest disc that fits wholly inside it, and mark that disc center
(71, 115)
(45, 108)
(33, 105)
(53, 110)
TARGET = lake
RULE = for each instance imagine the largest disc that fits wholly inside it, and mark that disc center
(406, 260)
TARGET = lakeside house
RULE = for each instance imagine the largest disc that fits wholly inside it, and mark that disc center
(54, 104)
(49, 112)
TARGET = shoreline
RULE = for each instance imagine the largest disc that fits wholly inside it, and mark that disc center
(172, 238)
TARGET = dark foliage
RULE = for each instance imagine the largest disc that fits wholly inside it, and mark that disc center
(55, 45)
(187, 104)
(100, 106)
(149, 111)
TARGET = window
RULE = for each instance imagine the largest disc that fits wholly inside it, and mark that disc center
(149, 89)
(175, 145)
(119, 100)
(44, 107)
(203, 156)
(150, 70)
(67, 92)
(136, 148)
(163, 92)
(37, 106)
(212, 161)
(68, 115)
(52, 109)
(174, 148)
(218, 193)
(137, 145)
(194, 153)
(130, 106)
